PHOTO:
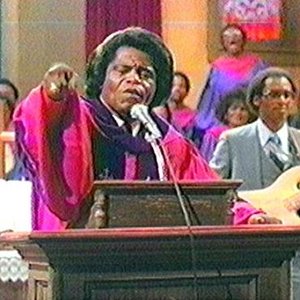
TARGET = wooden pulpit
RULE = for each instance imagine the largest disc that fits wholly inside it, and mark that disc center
(156, 203)
(144, 250)
(156, 263)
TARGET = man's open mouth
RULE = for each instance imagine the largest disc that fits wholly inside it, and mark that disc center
(134, 92)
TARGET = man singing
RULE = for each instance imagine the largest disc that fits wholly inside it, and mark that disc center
(68, 141)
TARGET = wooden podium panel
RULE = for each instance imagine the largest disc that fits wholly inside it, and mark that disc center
(227, 262)
(154, 203)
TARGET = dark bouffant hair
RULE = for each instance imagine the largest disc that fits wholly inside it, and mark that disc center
(236, 96)
(138, 38)
(7, 82)
(11, 105)
(257, 84)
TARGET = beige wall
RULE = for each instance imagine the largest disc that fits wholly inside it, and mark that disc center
(184, 31)
(10, 38)
(37, 33)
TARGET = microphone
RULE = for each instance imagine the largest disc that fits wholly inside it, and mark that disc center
(140, 112)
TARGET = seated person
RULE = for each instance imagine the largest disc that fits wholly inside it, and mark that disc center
(68, 141)
(233, 111)
(174, 110)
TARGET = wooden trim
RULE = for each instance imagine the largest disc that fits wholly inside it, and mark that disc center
(276, 231)
(7, 136)
(252, 262)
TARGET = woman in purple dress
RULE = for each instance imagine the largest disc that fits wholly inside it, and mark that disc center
(232, 70)
(231, 112)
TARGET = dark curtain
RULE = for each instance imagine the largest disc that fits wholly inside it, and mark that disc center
(106, 16)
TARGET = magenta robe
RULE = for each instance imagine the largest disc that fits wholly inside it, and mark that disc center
(210, 141)
(56, 140)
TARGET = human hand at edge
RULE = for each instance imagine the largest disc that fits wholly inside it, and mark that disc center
(263, 219)
(60, 81)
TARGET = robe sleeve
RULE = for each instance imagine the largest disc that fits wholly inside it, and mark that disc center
(185, 159)
(242, 211)
(54, 138)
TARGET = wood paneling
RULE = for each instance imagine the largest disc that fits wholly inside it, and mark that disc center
(244, 262)
(155, 203)
(13, 290)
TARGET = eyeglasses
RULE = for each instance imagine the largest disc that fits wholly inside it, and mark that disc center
(278, 95)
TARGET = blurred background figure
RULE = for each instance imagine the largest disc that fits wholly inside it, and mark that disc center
(174, 110)
(9, 95)
(294, 118)
(234, 69)
(232, 112)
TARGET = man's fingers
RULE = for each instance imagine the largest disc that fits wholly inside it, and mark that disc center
(74, 81)
(59, 81)
(65, 80)
(59, 68)
(263, 219)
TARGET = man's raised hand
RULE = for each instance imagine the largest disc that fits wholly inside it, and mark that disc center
(60, 81)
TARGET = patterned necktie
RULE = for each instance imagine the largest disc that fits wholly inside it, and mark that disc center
(273, 147)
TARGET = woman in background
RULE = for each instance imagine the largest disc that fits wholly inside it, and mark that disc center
(232, 112)
(9, 95)
(174, 110)
(232, 70)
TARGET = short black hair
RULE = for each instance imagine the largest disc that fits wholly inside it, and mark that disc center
(257, 84)
(138, 38)
(6, 81)
(185, 78)
(11, 104)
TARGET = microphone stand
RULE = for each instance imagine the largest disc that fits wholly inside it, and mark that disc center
(185, 215)
(188, 224)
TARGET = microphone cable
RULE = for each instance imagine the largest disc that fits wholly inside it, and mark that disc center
(192, 209)
(186, 217)
(187, 220)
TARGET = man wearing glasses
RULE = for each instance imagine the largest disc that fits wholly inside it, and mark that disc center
(259, 152)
